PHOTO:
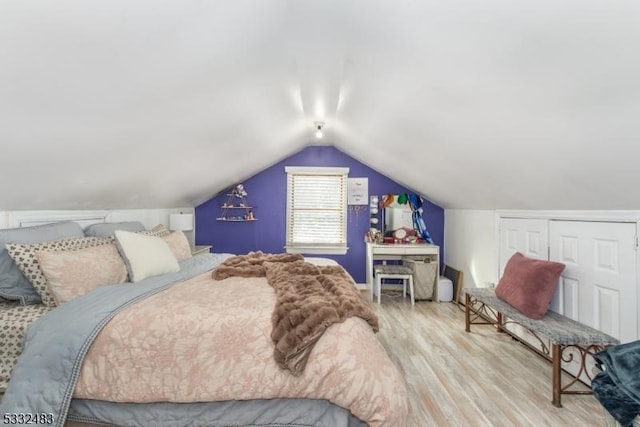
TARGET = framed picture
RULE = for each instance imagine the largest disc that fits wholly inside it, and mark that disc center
(358, 191)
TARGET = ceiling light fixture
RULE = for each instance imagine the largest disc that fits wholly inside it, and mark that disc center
(319, 126)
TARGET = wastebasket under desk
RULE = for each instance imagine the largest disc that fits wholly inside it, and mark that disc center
(396, 251)
(424, 276)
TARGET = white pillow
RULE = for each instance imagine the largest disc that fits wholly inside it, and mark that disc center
(145, 256)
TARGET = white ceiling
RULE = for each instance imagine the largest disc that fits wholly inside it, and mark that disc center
(528, 104)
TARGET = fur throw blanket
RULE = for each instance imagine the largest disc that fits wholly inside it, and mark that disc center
(251, 265)
(309, 299)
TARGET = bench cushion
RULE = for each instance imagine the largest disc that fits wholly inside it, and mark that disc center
(555, 327)
(529, 284)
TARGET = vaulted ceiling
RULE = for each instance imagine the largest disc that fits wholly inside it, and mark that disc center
(531, 104)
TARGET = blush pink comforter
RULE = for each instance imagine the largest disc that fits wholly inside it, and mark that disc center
(204, 340)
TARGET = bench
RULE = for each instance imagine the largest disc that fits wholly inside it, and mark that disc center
(483, 307)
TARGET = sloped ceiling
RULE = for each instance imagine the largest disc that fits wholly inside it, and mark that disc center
(531, 104)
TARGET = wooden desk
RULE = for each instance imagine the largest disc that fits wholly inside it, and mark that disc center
(394, 251)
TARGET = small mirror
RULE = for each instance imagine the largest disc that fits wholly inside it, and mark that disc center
(397, 212)
(396, 215)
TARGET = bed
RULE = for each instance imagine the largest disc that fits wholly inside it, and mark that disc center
(187, 347)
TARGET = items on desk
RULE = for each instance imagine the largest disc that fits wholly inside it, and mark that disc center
(402, 235)
(373, 236)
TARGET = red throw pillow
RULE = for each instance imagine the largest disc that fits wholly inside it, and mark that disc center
(528, 284)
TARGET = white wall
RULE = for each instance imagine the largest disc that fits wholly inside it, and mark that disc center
(471, 245)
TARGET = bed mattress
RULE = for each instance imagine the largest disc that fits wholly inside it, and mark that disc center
(14, 320)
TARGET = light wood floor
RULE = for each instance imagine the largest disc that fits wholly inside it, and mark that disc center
(481, 378)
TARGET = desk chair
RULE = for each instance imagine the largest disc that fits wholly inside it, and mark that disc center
(385, 271)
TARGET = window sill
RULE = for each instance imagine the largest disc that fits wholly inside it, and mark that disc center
(317, 250)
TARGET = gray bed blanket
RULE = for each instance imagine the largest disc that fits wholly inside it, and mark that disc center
(44, 378)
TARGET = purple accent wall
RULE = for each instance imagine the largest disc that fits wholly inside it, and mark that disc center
(267, 193)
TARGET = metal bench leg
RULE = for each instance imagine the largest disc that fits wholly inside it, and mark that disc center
(556, 361)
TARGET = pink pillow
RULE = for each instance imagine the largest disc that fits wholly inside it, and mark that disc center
(74, 273)
(528, 284)
(179, 245)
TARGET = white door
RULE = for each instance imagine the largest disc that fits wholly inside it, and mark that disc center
(598, 285)
(527, 236)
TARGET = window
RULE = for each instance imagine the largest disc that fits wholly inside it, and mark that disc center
(317, 210)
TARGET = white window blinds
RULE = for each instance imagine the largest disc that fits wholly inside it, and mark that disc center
(317, 210)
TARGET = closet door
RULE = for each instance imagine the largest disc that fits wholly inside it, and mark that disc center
(598, 285)
(527, 236)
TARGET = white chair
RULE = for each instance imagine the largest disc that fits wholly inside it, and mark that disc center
(400, 272)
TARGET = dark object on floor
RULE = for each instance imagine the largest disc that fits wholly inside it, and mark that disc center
(617, 386)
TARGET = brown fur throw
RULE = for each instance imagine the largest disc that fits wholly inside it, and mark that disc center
(250, 265)
(309, 299)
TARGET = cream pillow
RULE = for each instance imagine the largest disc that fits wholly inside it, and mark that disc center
(73, 273)
(145, 256)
